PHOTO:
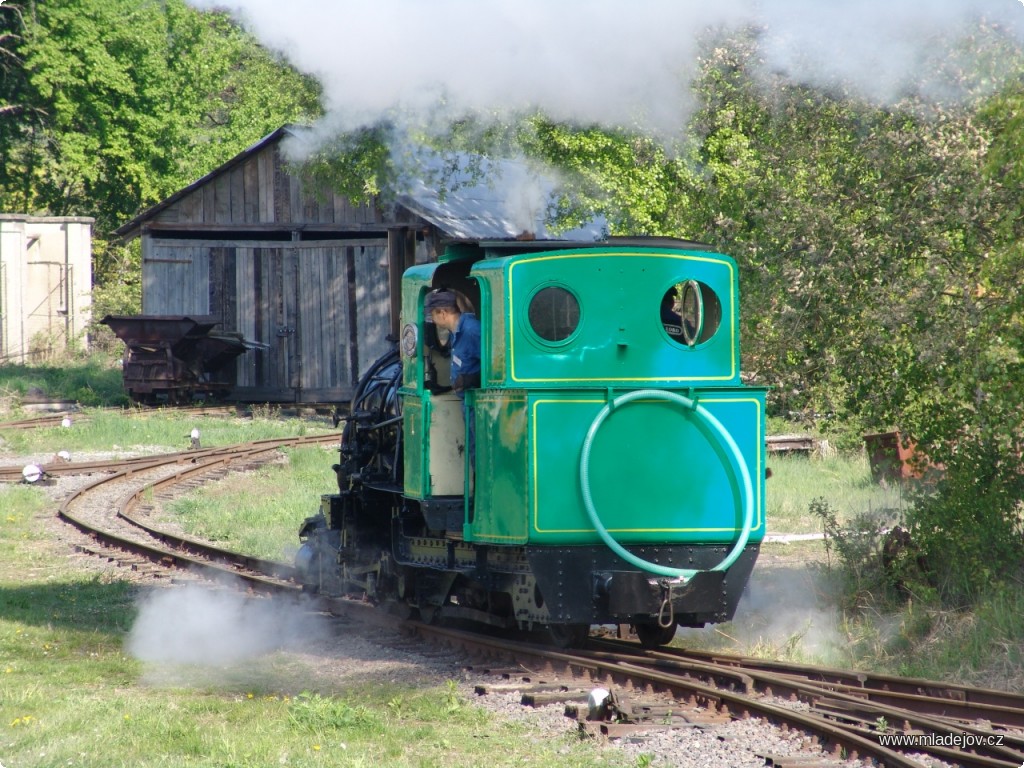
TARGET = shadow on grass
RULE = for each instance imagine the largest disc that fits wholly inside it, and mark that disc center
(90, 382)
(87, 605)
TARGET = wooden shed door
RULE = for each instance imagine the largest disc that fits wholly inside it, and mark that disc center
(175, 278)
(318, 326)
(325, 374)
(267, 307)
(344, 315)
(371, 297)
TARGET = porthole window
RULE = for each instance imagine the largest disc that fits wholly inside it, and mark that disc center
(554, 313)
(691, 312)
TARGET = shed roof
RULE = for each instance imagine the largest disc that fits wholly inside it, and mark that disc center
(499, 200)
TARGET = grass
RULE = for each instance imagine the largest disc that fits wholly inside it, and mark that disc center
(71, 695)
(149, 431)
(256, 512)
(91, 381)
(844, 480)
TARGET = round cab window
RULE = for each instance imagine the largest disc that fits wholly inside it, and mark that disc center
(690, 313)
(554, 313)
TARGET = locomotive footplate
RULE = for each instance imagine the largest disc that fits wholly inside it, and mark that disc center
(594, 585)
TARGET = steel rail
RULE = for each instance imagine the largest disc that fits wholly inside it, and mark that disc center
(938, 717)
(954, 700)
(838, 705)
(212, 561)
(14, 473)
(840, 739)
(56, 417)
(36, 422)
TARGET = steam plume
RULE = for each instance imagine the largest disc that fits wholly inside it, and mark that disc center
(421, 63)
(205, 627)
(593, 61)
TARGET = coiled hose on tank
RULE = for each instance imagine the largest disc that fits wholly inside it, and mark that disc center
(739, 468)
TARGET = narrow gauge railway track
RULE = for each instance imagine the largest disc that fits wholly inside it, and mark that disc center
(240, 410)
(844, 724)
(950, 701)
(993, 721)
(13, 474)
(39, 422)
(118, 526)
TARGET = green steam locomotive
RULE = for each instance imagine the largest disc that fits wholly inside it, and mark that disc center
(608, 466)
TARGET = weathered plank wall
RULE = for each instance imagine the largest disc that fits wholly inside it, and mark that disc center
(308, 276)
(294, 298)
(259, 190)
(175, 278)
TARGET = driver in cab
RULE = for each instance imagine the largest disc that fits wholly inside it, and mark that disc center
(442, 308)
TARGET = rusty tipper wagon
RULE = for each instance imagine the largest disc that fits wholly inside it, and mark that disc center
(618, 471)
(174, 358)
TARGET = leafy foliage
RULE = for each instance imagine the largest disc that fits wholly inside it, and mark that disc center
(626, 176)
(857, 548)
(122, 102)
(359, 164)
(879, 248)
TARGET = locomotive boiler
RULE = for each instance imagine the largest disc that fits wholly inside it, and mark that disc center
(618, 469)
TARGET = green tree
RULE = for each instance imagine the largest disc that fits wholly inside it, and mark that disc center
(880, 250)
(121, 102)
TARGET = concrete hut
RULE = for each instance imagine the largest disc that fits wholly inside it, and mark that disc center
(45, 285)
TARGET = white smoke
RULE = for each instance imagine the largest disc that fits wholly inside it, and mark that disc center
(782, 610)
(883, 49)
(592, 61)
(205, 627)
(418, 64)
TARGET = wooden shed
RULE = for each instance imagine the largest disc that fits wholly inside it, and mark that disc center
(311, 277)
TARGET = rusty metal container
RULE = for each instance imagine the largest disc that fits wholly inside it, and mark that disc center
(892, 457)
(175, 358)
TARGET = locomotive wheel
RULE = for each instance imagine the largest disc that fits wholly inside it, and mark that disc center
(569, 635)
(654, 635)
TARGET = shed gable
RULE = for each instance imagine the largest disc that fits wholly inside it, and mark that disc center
(259, 191)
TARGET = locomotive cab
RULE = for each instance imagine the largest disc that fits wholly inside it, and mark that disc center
(437, 460)
(613, 430)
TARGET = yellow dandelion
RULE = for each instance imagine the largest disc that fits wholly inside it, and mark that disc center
(316, 747)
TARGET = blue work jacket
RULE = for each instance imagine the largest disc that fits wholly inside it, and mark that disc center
(465, 346)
